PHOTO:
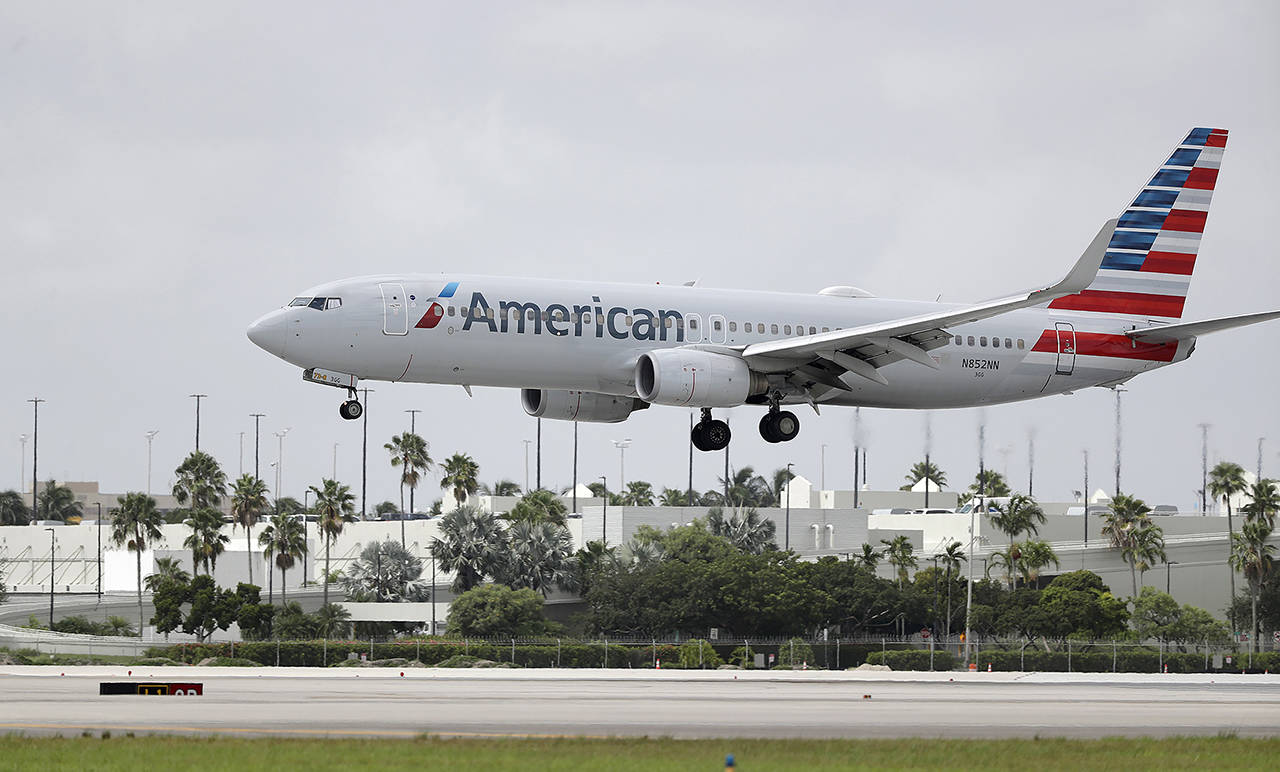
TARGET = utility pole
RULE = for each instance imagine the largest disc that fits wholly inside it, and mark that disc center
(575, 467)
(1260, 439)
(1118, 438)
(35, 456)
(1031, 463)
(98, 523)
(257, 426)
(787, 522)
(151, 435)
(364, 453)
(197, 398)
(280, 464)
(53, 541)
(335, 462)
(1204, 469)
(22, 465)
(968, 606)
(538, 478)
(604, 517)
(622, 446)
(526, 464)
(857, 440)
(413, 429)
(241, 453)
(689, 500)
(1086, 499)
(822, 466)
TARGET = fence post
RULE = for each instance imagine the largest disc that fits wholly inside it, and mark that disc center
(1160, 664)
(1206, 655)
(700, 642)
(655, 652)
(324, 655)
(746, 660)
(371, 648)
(466, 647)
(417, 654)
(793, 653)
(513, 651)
(1068, 656)
(277, 652)
(557, 652)
(838, 650)
(1113, 656)
(605, 664)
(930, 649)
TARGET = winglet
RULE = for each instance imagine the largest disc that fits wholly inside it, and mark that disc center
(1086, 268)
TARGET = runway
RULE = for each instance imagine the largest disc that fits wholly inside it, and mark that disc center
(382, 703)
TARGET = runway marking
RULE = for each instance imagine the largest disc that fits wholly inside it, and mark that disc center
(307, 732)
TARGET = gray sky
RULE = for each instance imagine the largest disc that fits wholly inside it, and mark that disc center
(171, 173)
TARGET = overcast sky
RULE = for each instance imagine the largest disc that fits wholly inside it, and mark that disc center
(169, 173)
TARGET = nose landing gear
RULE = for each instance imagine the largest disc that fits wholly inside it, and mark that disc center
(710, 434)
(351, 409)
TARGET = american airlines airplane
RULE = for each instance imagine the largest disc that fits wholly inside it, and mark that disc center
(588, 351)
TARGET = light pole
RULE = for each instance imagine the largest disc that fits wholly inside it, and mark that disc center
(35, 452)
(280, 461)
(99, 524)
(364, 453)
(242, 453)
(604, 517)
(257, 430)
(575, 467)
(526, 464)
(413, 429)
(822, 467)
(1086, 503)
(1204, 469)
(306, 509)
(622, 446)
(52, 545)
(22, 464)
(1260, 440)
(197, 398)
(1031, 462)
(786, 536)
(968, 603)
(151, 435)
(1119, 391)
(1167, 574)
(537, 478)
(335, 462)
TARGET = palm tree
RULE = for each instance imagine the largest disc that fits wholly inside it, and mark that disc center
(335, 506)
(540, 506)
(472, 544)
(1226, 479)
(134, 525)
(1020, 515)
(502, 488)
(56, 502)
(206, 541)
(1251, 555)
(639, 494)
(745, 529)
(284, 539)
(922, 469)
(409, 452)
(200, 481)
(385, 572)
(1148, 547)
(1127, 516)
(673, 498)
(248, 504)
(870, 557)
(540, 557)
(13, 510)
(460, 473)
(1008, 560)
(334, 621)
(988, 484)
(167, 570)
(781, 477)
(1264, 503)
(899, 551)
(747, 489)
(951, 557)
(1034, 556)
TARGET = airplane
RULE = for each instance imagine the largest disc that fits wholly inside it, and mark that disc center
(593, 351)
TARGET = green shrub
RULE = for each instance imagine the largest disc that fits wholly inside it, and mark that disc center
(795, 653)
(913, 659)
(699, 654)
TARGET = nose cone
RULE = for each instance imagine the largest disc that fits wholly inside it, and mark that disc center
(268, 333)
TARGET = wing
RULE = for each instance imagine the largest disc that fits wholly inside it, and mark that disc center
(826, 357)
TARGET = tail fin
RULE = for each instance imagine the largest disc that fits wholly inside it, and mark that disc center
(1148, 265)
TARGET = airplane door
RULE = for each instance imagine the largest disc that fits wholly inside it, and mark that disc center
(395, 312)
(716, 332)
(1066, 349)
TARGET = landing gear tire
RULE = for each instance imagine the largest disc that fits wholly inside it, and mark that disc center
(779, 426)
(710, 435)
(351, 410)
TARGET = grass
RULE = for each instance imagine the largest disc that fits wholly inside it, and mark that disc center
(125, 752)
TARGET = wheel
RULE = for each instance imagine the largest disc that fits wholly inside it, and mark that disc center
(786, 426)
(699, 439)
(350, 410)
(768, 428)
(716, 434)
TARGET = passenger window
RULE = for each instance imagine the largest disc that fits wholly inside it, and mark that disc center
(544, 316)
(333, 303)
(489, 314)
(1021, 344)
(717, 325)
(813, 330)
(450, 311)
(532, 315)
(1008, 343)
(826, 329)
(786, 329)
(982, 341)
(995, 342)
(970, 340)
(629, 320)
(760, 327)
(733, 326)
(773, 329)
(693, 324)
(668, 323)
(317, 304)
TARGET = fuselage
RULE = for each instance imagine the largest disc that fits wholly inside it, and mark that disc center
(557, 334)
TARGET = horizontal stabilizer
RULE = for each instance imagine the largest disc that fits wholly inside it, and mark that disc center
(1174, 332)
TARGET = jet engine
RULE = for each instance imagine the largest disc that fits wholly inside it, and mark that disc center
(693, 378)
(563, 405)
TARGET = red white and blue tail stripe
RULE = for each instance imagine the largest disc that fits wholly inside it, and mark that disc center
(1152, 253)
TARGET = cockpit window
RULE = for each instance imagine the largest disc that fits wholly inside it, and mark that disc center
(299, 302)
(317, 303)
(333, 303)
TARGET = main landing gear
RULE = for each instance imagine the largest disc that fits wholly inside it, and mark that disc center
(709, 433)
(779, 425)
(351, 409)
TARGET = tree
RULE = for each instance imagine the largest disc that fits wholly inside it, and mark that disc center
(283, 539)
(134, 525)
(951, 557)
(1076, 604)
(987, 484)
(745, 529)
(288, 505)
(333, 621)
(1021, 514)
(335, 506)
(781, 477)
(1226, 479)
(472, 544)
(493, 610)
(1264, 502)
(460, 474)
(1148, 546)
(747, 489)
(409, 452)
(206, 540)
(167, 570)
(1035, 555)
(385, 572)
(673, 498)
(639, 494)
(870, 557)
(922, 469)
(199, 481)
(1252, 556)
(212, 608)
(593, 558)
(13, 510)
(248, 505)
(540, 506)
(898, 551)
(56, 502)
(540, 556)
(502, 488)
(1128, 515)
(385, 508)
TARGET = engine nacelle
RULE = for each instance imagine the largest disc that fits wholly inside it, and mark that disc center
(563, 405)
(693, 378)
